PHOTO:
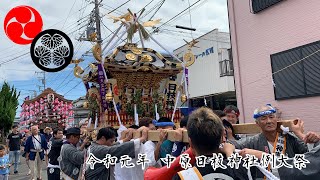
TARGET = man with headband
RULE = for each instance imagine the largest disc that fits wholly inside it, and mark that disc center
(270, 141)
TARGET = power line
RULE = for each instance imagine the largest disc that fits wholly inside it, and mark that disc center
(72, 88)
(13, 58)
(157, 10)
(280, 70)
(178, 14)
(186, 12)
(190, 18)
(119, 6)
(69, 13)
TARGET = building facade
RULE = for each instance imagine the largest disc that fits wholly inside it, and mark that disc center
(210, 77)
(275, 47)
(80, 112)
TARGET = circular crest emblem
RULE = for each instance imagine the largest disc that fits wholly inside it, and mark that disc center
(51, 170)
(51, 50)
(22, 24)
(131, 57)
(189, 59)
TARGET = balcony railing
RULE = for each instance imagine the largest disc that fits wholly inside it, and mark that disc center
(226, 68)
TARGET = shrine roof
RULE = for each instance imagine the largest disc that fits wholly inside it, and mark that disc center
(44, 94)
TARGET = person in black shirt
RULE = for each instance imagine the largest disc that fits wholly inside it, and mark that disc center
(13, 144)
(205, 131)
(53, 170)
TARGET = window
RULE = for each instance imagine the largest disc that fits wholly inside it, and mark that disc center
(259, 5)
(294, 77)
(225, 62)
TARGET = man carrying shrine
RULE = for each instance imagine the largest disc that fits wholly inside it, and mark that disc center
(270, 140)
(205, 131)
(103, 154)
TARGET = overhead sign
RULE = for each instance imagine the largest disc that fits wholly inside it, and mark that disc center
(205, 53)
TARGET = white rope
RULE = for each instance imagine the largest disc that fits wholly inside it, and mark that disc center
(117, 113)
(284, 129)
(136, 116)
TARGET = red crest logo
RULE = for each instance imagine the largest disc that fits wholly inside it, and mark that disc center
(22, 24)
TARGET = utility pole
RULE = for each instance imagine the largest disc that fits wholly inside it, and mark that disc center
(94, 17)
(34, 94)
(97, 15)
(42, 79)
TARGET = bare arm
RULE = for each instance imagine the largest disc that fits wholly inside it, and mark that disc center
(157, 151)
(163, 136)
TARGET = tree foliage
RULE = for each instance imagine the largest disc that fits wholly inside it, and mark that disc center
(8, 106)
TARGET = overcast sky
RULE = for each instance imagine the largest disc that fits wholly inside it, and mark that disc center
(64, 14)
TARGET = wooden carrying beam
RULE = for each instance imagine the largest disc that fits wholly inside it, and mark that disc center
(249, 128)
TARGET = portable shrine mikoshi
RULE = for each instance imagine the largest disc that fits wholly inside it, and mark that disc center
(132, 82)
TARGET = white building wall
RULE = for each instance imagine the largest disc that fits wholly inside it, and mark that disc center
(204, 74)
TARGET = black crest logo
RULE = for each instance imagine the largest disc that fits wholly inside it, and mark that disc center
(51, 50)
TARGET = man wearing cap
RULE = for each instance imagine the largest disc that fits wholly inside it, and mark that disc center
(71, 158)
(270, 141)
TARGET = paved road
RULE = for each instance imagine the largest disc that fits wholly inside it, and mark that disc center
(23, 170)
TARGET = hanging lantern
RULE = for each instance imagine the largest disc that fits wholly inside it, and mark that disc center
(109, 96)
(183, 98)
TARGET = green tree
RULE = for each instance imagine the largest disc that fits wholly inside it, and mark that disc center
(137, 99)
(8, 106)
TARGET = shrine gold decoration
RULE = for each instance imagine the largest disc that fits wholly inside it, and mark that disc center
(136, 51)
(183, 98)
(93, 66)
(151, 23)
(124, 18)
(144, 68)
(85, 77)
(76, 61)
(189, 59)
(146, 58)
(131, 57)
(77, 71)
(96, 50)
(85, 104)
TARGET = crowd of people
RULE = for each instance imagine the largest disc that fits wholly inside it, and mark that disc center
(112, 154)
